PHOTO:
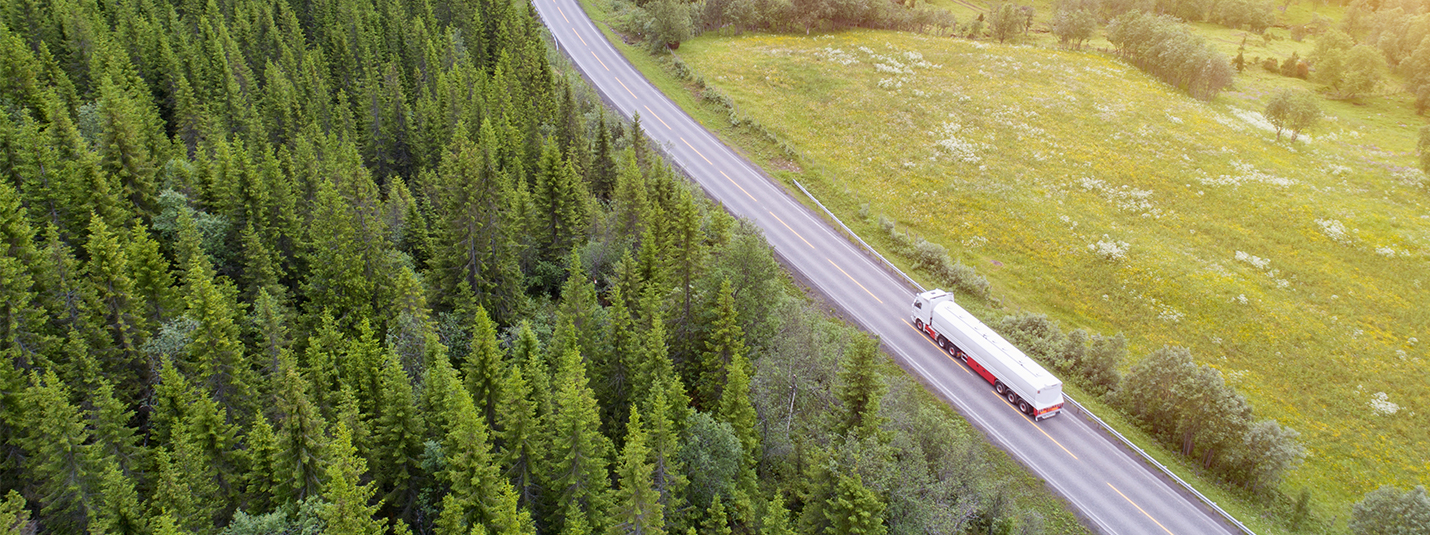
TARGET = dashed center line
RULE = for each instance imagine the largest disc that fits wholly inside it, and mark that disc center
(1139, 508)
(628, 90)
(662, 121)
(1035, 426)
(692, 147)
(801, 238)
(598, 58)
(578, 36)
(563, 15)
(737, 184)
(856, 282)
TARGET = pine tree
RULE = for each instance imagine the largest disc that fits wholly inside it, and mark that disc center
(579, 454)
(860, 389)
(483, 369)
(348, 512)
(637, 509)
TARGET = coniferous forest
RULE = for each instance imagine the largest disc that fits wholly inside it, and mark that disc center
(372, 266)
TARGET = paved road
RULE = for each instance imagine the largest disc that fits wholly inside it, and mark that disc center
(1111, 490)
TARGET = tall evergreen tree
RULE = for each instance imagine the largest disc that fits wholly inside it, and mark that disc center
(602, 173)
(299, 428)
(560, 197)
(348, 512)
(724, 348)
(637, 507)
(521, 438)
(114, 306)
(62, 462)
(479, 248)
(397, 439)
(123, 148)
(735, 408)
(860, 389)
(580, 454)
(20, 321)
(483, 369)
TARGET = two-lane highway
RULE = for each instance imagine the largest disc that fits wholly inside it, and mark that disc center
(1110, 488)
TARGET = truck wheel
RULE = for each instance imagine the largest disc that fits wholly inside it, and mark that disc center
(1027, 409)
(919, 324)
(999, 388)
(942, 342)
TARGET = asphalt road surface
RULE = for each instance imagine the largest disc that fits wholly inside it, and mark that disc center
(1110, 488)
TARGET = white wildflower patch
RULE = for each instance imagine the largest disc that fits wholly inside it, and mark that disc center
(1252, 259)
(1380, 404)
(1387, 252)
(947, 138)
(917, 60)
(1333, 229)
(1109, 248)
(1240, 299)
(1174, 119)
(1169, 314)
(1256, 120)
(1245, 173)
(895, 68)
(975, 242)
(1125, 198)
(837, 56)
(1229, 122)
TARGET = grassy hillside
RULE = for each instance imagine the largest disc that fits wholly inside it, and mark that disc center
(1088, 191)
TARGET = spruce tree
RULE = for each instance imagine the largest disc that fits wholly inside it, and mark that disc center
(124, 152)
(667, 472)
(153, 284)
(854, 509)
(348, 512)
(735, 408)
(483, 369)
(477, 232)
(62, 463)
(397, 439)
(117, 442)
(576, 473)
(324, 351)
(474, 479)
(14, 518)
(860, 389)
(602, 173)
(261, 478)
(560, 198)
(118, 511)
(215, 350)
(20, 321)
(298, 467)
(521, 440)
(637, 507)
(717, 520)
(629, 196)
(725, 346)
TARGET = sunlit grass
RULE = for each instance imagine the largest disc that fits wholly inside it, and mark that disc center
(1298, 269)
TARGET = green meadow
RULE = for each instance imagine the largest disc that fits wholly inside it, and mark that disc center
(1090, 192)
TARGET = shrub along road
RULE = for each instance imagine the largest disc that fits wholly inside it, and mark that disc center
(1109, 487)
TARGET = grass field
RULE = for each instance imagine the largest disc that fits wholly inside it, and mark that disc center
(1088, 191)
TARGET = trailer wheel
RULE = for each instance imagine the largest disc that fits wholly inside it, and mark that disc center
(942, 342)
(1027, 409)
(999, 388)
(1012, 397)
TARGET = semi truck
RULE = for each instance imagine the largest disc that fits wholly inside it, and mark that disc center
(1025, 384)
